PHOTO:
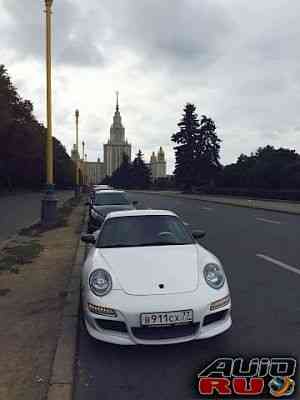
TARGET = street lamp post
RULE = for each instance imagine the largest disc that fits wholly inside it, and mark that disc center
(49, 201)
(83, 165)
(77, 188)
(86, 171)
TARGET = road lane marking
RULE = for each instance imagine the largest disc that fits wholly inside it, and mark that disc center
(279, 263)
(270, 221)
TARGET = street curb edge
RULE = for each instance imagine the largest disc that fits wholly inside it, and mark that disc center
(63, 368)
(215, 201)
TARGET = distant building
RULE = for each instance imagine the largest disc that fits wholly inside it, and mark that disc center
(113, 151)
(158, 165)
(94, 172)
(116, 146)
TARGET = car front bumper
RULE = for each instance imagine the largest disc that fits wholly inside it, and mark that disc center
(124, 328)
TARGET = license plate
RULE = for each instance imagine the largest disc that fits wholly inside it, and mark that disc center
(167, 318)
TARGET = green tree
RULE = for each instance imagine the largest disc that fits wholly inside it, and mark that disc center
(23, 155)
(267, 168)
(197, 150)
(122, 177)
(141, 175)
(207, 154)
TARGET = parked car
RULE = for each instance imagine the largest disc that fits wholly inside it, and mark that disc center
(147, 280)
(97, 188)
(104, 202)
(102, 187)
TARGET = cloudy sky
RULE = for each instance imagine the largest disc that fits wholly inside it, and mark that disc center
(237, 60)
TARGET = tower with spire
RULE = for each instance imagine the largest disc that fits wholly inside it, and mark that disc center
(117, 144)
(158, 165)
(114, 151)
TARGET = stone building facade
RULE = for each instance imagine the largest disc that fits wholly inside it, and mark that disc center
(158, 165)
(116, 146)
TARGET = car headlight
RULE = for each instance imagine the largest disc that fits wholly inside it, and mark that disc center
(100, 282)
(214, 275)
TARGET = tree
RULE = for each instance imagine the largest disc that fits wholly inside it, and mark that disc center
(141, 175)
(267, 168)
(197, 150)
(207, 164)
(122, 177)
(23, 157)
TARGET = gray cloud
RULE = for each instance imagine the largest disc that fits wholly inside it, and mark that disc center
(73, 42)
(238, 61)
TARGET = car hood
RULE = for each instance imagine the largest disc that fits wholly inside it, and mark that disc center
(141, 270)
(104, 210)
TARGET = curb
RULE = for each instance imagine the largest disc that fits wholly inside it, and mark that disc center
(62, 373)
(216, 201)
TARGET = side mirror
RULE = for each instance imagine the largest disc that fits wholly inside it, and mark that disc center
(135, 202)
(198, 234)
(87, 238)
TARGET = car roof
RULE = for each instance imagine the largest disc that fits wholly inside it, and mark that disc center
(139, 213)
(109, 191)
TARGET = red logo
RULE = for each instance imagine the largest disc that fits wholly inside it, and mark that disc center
(228, 377)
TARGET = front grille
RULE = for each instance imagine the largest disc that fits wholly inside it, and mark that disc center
(111, 325)
(210, 318)
(165, 332)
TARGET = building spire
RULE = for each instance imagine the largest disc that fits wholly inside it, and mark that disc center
(117, 94)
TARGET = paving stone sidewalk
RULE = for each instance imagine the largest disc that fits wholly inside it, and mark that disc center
(32, 297)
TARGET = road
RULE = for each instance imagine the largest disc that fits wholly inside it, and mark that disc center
(260, 253)
(22, 209)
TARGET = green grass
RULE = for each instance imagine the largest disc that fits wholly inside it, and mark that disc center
(20, 254)
(24, 252)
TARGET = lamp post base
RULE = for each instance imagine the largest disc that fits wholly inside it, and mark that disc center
(49, 207)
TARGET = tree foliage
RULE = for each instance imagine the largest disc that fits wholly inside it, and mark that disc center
(23, 143)
(141, 175)
(267, 168)
(197, 149)
(135, 175)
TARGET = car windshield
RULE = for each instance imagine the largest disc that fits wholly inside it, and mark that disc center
(150, 230)
(110, 199)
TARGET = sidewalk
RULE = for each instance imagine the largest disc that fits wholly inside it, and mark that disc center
(35, 270)
(269, 205)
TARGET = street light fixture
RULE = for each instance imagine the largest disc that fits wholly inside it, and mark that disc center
(49, 201)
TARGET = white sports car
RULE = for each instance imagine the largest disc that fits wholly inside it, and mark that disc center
(146, 280)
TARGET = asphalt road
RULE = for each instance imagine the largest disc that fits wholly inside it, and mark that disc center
(22, 209)
(266, 307)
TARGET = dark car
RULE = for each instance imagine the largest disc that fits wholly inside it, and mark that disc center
(104, 202)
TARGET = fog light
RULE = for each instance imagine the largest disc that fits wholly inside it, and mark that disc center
(220, 303)
(101, 310)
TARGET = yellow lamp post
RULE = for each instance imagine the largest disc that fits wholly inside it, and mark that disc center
(49, 202)
(83, 165)
(86, 172)
(77, 187)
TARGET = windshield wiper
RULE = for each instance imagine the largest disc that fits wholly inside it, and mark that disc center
(117, 245)
(161, 244)
(143, 245)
